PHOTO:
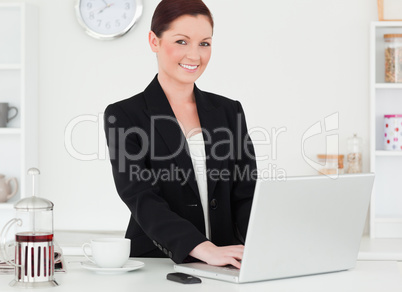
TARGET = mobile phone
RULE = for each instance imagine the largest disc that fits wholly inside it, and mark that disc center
(183, 278)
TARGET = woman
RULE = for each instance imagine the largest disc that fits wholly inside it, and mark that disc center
(181, 157)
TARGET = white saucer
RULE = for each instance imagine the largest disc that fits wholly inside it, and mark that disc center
(131, 265)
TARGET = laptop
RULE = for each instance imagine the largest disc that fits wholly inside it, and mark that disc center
(302, 226)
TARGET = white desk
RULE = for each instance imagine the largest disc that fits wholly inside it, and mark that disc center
(376, 270)
(368, 276)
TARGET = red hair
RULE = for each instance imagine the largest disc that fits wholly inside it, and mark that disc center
(169, 10)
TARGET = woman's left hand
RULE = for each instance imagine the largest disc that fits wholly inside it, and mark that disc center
(218, 255)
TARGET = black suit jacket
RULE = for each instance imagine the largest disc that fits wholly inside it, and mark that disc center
(154, 175)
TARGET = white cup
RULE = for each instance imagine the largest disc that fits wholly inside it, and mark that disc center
(108, 252)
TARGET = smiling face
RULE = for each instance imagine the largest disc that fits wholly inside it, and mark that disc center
(184, 49)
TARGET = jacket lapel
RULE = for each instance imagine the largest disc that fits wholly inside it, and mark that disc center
(212, 123)
(165, 123)
(215, 136)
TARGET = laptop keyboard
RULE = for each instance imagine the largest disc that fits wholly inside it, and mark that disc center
(231, 270)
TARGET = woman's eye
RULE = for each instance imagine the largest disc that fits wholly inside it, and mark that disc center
(181, 42)
(205, 44)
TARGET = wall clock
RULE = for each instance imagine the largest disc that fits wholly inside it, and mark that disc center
(108, 19)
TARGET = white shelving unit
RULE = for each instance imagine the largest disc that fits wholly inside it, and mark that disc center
(19, 88)
(385, 98)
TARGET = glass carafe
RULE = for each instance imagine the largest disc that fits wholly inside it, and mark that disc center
(355, 157)
(34, 251)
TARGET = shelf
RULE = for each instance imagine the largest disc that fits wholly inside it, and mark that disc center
(6, 206)
(8, 131)
(383, 249)
(388, 227)
(385, 98)
(19, 87)
(389, 220)
(10, 5)
(388, 153)
(387, 23)
(10, 66)
(388, 85)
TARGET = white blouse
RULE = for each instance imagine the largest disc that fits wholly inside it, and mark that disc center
(198, 157)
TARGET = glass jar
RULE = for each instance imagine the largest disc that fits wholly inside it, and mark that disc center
(393, 132)
(331, 164)
(393, 57)
(354, 157)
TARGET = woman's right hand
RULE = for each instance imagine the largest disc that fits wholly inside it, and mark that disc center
(218, 255)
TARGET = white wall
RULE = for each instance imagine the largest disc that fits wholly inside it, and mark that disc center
(291, 63)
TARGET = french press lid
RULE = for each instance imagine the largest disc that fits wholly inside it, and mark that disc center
(34, 202)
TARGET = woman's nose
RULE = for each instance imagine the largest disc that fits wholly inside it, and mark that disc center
(193, 53)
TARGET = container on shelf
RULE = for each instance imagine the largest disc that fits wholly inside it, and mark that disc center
(389, 10)
(392, 132)
(6, 191)
(354, 157)
(393, 58)
(331, 164)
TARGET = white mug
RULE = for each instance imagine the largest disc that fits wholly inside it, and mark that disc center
(108, 252)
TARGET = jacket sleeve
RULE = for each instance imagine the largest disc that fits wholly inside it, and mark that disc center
(245, 177)
(153, 214)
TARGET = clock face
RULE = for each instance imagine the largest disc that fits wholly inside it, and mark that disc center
(108, 19)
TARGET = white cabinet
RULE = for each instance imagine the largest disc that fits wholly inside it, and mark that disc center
(385, 99)
(19, 88)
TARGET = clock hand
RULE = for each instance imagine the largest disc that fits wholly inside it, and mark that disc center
(101, 10)
(107, 6)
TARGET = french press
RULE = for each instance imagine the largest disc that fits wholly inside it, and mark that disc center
(34, 249)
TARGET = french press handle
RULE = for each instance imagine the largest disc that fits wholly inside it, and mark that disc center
(3, 236)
